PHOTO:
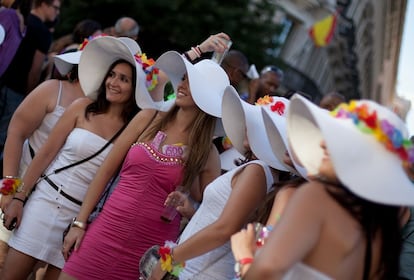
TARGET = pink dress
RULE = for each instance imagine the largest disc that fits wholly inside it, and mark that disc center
(130, 221)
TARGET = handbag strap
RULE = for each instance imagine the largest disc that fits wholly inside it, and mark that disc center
(94, 154)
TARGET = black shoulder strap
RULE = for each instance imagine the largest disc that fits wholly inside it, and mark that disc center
(93, 155)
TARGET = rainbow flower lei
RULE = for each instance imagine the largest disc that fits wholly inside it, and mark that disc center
(382, 130)
(167, 261)
(278, 107)
(150, 71)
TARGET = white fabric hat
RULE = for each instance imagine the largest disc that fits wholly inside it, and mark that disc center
(238, 116)
(274, 116)
(362, 163)
(65, 62)
(96, 58)
(207, 81)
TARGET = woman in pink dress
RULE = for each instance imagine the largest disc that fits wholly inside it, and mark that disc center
(176, 149)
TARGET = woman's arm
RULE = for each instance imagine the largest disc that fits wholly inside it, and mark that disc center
(248, 190)
(44, 157)
(209, 45)
(26, 119)
(294, 237)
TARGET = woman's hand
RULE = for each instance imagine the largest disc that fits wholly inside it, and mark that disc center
(215, 43)
(157, 273)
(5, 201)
(182, 203)
(243, 243)
(13, 214)
(72, 241)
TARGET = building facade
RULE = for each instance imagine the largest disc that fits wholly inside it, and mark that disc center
(361, 60)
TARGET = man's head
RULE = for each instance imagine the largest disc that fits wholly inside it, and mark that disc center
(236, 66)
(126, 27)
(331, 100)
(270, 79)
(47, 10)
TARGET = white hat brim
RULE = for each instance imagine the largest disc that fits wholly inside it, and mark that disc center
(238, 117)
(65, 62)
(207, 81)
(361, 163)
(277, 133)
(96, 58)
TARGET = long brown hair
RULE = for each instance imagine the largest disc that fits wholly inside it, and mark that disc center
(199, 141)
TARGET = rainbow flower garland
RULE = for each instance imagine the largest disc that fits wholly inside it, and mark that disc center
(167, 259)
(10, 185)
(150, 71)
(382, 130)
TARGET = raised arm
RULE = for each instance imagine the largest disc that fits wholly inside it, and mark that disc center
(211, 44)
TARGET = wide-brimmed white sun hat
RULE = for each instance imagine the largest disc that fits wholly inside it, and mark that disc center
(207, 81)
(274, 111)
(100, 53)
(228, 158)
(64, 62)
(367, 144)
(240, 118)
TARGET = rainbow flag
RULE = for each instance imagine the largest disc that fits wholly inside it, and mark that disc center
(322, 31)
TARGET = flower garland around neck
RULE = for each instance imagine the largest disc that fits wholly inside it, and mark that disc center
(278, 106)
(368, 122)
(151, 73)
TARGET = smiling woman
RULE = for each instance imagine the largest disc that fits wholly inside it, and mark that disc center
(76, 147)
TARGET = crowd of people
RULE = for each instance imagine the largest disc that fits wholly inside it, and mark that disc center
(107, 174)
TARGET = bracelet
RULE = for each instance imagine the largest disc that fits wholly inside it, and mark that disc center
(167, 259)
(196, 51)
(21, 200)
(239, 264)
(199, 49)
(79, 224)
(10, 184)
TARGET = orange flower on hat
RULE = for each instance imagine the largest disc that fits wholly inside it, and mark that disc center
(265, 100)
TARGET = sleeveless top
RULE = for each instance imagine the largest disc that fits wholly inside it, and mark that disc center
(39, 136)
(217, 263)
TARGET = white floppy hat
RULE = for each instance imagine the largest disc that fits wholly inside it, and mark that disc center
(228, 157)
(239, 117)
(64, 62)
(207, 81)
(274, 111)
(362, 163)
(99, 54)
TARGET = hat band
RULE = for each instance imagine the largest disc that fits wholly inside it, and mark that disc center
(382, 130)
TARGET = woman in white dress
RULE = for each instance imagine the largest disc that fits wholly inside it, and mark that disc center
(344, 223)
(114, 85)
